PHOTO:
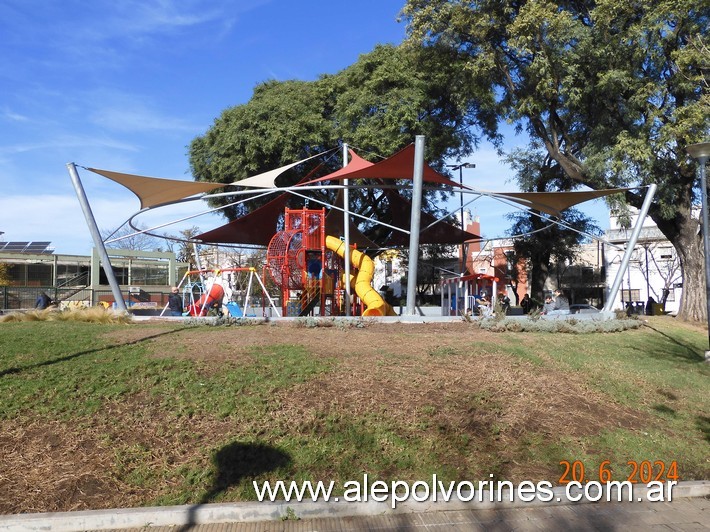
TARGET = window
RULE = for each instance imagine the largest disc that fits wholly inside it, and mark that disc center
(631, 295)
(666, 252)
(39, 274)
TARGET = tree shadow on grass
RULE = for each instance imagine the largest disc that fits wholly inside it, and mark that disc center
(15, 370)
(233, 463)
(703, 423)
(671, 346)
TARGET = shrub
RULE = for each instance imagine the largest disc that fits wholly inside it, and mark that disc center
(569, 326)
(223, 321)
(91, 314)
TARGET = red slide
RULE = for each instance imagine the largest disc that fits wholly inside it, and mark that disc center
(206, 301)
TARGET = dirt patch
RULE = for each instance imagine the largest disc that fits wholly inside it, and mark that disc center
(49, 466)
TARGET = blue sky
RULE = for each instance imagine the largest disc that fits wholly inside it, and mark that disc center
(127, 85)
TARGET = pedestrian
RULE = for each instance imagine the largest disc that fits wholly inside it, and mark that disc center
(526, 304)
(549, 305)
(560, 305)
(175, 302)
(504, 302)
(43, 301)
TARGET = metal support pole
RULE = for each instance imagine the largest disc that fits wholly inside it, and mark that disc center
(96, 236)
(198, 263)
(648, 275)
(418, 178)
(702, 153)
(346, 232)
(464, 247)
(630, 248)
(706, 241)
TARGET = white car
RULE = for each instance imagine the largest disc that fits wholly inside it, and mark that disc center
(583, 309)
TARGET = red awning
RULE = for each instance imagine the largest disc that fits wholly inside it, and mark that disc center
(441, 233)
(255, 228)
(399, 166)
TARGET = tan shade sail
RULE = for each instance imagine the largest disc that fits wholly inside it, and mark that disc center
(152, 191)
(553, 203)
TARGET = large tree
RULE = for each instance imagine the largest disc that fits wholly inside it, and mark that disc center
(377, 105)
(613, 90)
(539, 239)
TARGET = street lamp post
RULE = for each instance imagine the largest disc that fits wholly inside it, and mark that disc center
(701, 152)
(460, 168)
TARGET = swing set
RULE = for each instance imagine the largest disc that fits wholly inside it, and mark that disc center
(216, 290)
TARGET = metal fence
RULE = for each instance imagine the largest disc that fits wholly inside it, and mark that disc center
(25, 298)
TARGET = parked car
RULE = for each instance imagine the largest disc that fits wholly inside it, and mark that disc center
(582, 309)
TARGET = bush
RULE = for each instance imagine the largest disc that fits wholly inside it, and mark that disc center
(311, 322)
(570, 326)
(91, 314)
(222, 321)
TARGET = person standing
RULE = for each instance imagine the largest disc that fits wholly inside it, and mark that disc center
(526, 304)
(175, 302)
(504, 302)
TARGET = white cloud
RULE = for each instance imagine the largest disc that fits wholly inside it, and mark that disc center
(140, 118)
(68, 141)
(11, 116)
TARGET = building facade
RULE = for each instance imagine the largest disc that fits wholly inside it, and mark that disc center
(144, 276)
(654, 270)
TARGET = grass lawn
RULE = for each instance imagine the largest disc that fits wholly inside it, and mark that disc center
(114, 415)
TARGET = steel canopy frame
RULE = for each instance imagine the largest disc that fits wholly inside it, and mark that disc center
(417, 188)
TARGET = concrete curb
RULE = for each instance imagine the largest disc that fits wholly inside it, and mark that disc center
(203, 514)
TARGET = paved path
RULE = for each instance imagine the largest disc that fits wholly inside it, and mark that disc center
(689, 510)
(681, 514)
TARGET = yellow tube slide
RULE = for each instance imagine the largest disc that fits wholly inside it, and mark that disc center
(376, 306)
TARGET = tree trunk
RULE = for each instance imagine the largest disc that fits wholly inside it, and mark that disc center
(689, 246)
(540, 273)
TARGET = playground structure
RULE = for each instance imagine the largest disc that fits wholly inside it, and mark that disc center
(461, 293)
(295, 252)
(307, 265)
(206, 291)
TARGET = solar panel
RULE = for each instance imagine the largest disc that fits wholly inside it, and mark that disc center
(37, 247)
(15, 247)
(40, 247)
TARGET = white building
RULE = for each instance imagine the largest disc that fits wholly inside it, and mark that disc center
(654, 270)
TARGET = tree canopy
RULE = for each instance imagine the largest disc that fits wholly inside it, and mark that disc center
(538, 239)
(613, 91)
(378, 105)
